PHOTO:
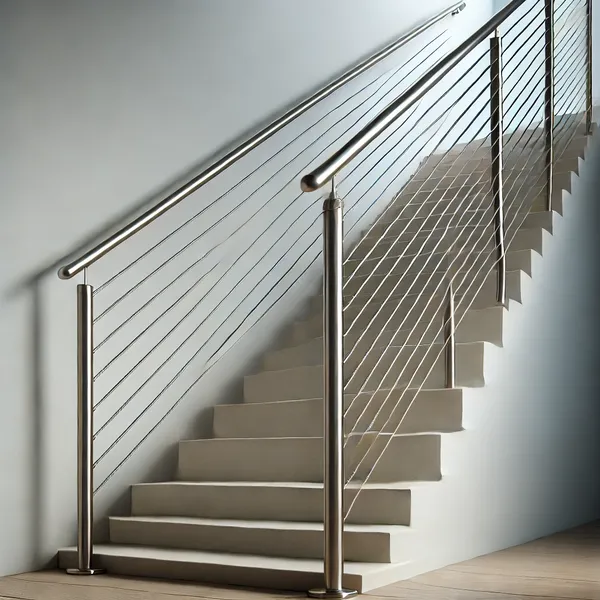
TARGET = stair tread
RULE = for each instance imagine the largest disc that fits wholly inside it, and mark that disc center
(295, 438)
(400, 346)
(393, 297)
(296, 400)
(254, 561)
(411, 275)
(394, 485)
(260, 524)
(391, 256)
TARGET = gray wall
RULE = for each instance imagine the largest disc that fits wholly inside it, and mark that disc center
(103, 107)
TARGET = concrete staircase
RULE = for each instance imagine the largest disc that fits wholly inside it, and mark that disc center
(246, 507)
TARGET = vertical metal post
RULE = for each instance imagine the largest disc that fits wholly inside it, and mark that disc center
(449, 339)
(333, 380)
(85, 458)
(589, 84)
(497, 118)
(549, 101)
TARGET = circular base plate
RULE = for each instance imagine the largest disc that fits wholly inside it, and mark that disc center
(86, 571)
(323, 593)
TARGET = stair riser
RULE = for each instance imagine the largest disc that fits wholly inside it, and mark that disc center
(396, 284)
(524, 239)
(407, 458)
(373, 507)
(429, 221)
(393, 262)
(375, 318)
(429, 213)
(516, 260)
(378, 288)
(459, 206)
(468, 190)
(462, 183)
(406, 227)
(474, 326)
(525, 218)
(388, 411)
(429, 264)
(447, 226)
(395, 367)
(285, 543)
(432, 170)
(464, 160)
(300, 354)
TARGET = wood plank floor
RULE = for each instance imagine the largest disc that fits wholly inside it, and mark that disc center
(563, 566)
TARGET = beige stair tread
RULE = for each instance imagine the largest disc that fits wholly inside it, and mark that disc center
(406, 347)
(261, 524)
(223, 558)
(410, 390)
(395, 485)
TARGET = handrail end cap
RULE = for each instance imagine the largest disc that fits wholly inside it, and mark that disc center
(310, 183)
(64, 273)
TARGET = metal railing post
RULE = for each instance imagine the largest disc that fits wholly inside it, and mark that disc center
(85, 457)
(497, 124)
(333, 387)
(589, 83)
(449, 339)
(549, 102)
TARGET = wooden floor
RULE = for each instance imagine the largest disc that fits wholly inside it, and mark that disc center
(566, 565)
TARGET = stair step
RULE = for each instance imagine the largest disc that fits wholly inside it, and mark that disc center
(364, 287)
(471, 192)
(416, 304)
(400, 216)
(230, 569)
(377, 504)
(374, 247)
(408, 410)
(476, 325)
(437, 167)
(413, 457)
(449, 197)
(461, 157)
(286, 539)
(429, 263)
(392, 367)
(402, 328)
(304, 340)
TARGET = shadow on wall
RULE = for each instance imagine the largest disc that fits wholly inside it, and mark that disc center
(32, 288)
(41, 357)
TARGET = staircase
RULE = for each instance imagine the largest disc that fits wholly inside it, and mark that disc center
(247, 505)
(461, 180)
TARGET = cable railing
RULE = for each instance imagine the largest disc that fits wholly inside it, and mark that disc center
(450, 151)
(165, 297)
(475, 147)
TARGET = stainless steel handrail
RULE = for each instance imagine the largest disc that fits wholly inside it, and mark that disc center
(334, 164)
(85, 260)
